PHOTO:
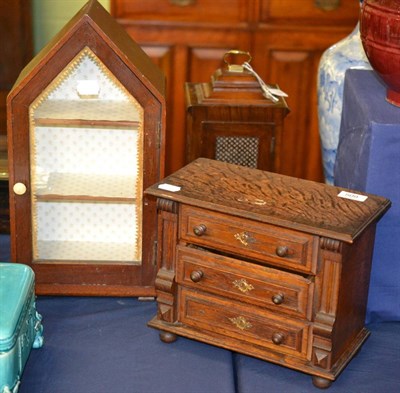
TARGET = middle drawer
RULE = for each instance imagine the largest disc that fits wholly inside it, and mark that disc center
(276, 290)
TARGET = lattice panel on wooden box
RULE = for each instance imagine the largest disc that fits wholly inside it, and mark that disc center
(237, 150)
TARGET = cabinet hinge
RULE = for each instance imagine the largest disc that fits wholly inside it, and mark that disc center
(155, 249)
(158, 142)
(272, 150)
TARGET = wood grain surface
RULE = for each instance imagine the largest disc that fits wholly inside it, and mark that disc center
(277, 199)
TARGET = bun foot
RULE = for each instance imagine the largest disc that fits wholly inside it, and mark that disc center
(321, 383)
(167, 337)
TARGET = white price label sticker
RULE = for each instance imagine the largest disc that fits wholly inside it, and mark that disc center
(169, 187)
(88, 87)
(352, 196)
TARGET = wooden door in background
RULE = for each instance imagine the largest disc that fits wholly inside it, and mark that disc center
(15, 52)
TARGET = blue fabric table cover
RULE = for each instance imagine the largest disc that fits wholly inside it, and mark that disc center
(102, 345)
(368, 159)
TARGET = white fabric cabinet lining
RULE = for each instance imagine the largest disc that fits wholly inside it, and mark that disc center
(86, 171)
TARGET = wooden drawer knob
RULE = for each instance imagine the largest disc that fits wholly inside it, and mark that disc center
(196, 275)
(277, 338)
(278, 298)
(282, 251)
(199, 230)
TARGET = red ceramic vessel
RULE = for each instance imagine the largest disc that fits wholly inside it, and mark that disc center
(380, 36)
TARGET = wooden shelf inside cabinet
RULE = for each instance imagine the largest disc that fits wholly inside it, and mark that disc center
(78, 252)
(87, 187)
(87, 112)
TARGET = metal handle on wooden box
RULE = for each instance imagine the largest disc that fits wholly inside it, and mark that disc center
(182, 3)
(230, 55)
(327, 5)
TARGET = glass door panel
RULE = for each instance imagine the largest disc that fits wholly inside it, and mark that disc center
(86, 141)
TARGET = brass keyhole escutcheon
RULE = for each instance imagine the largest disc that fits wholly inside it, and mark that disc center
(19, 188)
(244, 238)
(243, 285)
(241, 323)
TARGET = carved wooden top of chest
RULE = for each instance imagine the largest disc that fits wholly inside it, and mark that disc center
(285, 201)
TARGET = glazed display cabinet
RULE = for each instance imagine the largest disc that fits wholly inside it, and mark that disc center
(86, 125)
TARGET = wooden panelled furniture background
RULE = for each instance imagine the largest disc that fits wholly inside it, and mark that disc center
(16, 50)
(188, 38)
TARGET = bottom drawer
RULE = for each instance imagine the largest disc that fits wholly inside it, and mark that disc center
(249, 324)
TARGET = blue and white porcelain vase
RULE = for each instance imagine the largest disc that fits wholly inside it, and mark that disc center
(347, 53)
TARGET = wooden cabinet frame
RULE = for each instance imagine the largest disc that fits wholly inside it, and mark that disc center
(92, 30)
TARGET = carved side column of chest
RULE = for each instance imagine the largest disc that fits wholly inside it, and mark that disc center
(264, 264)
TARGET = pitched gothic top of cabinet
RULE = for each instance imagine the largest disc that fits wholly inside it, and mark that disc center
(93, 27)
(80, 117)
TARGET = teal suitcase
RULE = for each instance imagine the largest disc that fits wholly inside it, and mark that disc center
(20, 324)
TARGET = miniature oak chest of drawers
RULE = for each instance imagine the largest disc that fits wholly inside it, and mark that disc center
(264, 264)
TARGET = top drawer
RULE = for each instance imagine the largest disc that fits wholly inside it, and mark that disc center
(222, 11)
(321, 12)
(277, 246)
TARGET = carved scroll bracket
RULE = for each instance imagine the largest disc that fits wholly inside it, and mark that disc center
(166, 288)
(331, 244)
(167, 239)
(322, 344)
(167, 205)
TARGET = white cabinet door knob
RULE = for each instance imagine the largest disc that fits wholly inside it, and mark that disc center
(19, 188)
